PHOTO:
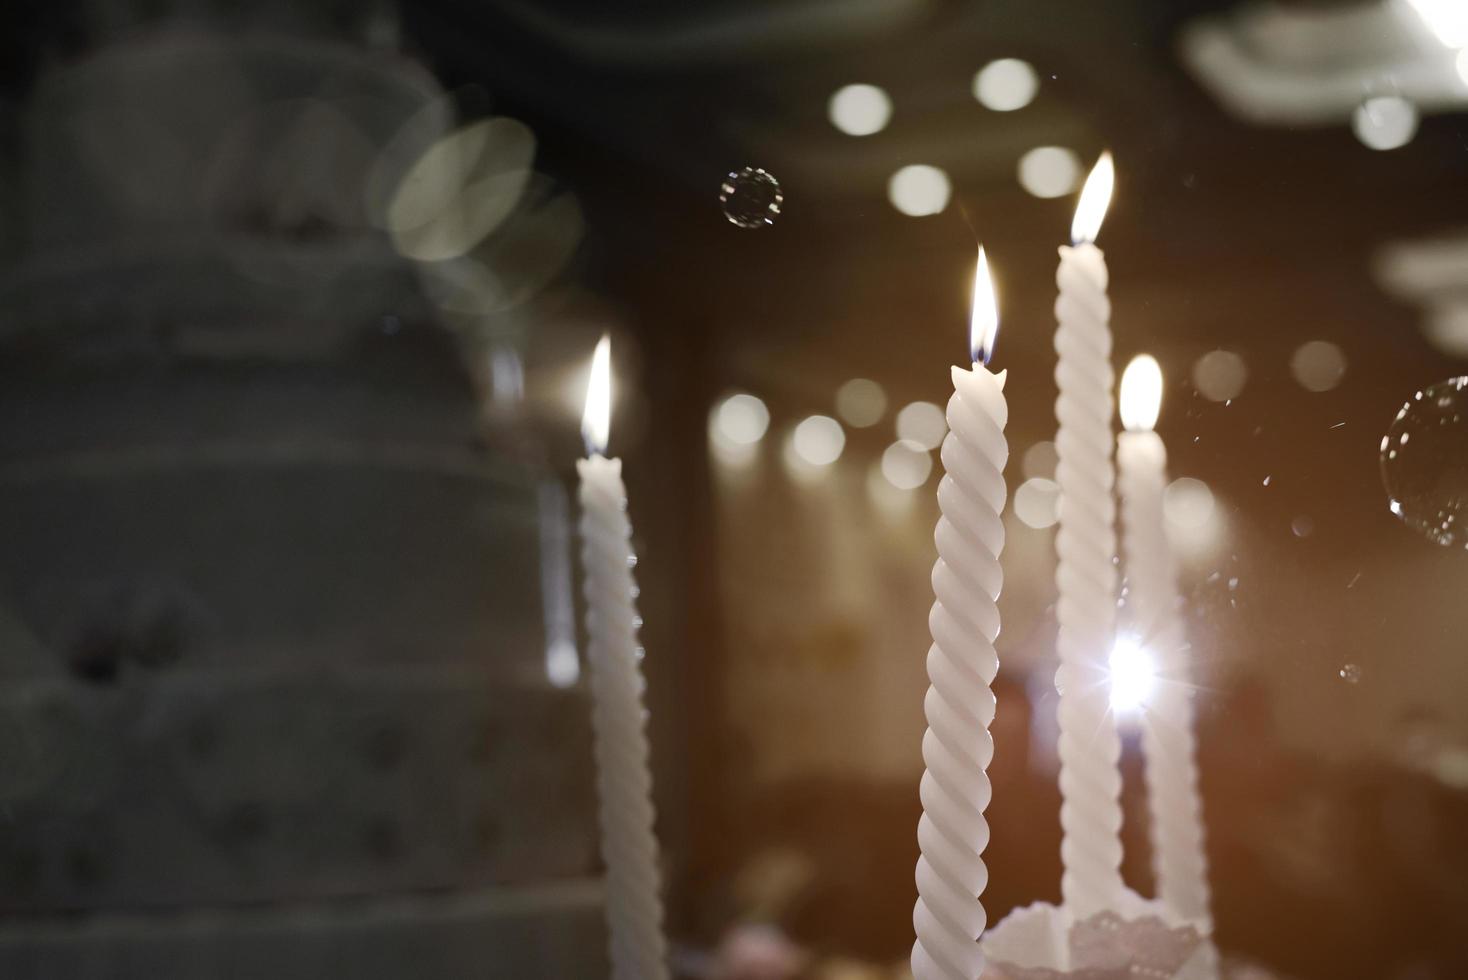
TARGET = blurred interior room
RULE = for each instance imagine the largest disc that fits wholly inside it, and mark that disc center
(324, 653)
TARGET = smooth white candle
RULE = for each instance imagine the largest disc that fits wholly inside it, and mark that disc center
(629, 848)
(1167, 721)
(955, 790)
(1090, 749)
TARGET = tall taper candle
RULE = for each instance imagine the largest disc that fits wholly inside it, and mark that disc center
(964, 620)
(1167, 721)
(629, 848)
(1090, 749)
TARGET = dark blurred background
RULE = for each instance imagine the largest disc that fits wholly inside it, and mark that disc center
(296, 302)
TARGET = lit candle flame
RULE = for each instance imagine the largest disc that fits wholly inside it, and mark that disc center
(984, 321)
(1133, 676)
(1095, 197)
(1141, 393)
(1447, 19)
(596, 421)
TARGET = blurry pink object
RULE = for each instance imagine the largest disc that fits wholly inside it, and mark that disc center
(1042, 942)
(757, 951)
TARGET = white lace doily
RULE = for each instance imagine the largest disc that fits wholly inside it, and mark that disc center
(1141, 941)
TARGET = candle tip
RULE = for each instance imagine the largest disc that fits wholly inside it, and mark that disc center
(596, 421)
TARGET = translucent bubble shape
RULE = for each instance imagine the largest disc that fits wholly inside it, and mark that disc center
(1424, 462)
(751, 197)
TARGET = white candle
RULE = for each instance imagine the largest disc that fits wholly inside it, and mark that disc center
(964, 620)
(1167, 723)
(1090, 749)
(624, 781)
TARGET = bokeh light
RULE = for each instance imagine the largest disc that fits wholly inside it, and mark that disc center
(742, 418)
(1446, 326)
(1318, 365)
(919, 190)
(859, 110)
(906, 464)
(818, 440)
(1006, 84)
(1037, 502)
(1188, 504)
(1049, 171)
(460, 189)
(526, 251)
(861, 402)
(1219, 375)
(923, 423)
(1385, 122)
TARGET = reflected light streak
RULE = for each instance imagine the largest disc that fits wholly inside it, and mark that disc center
(562, 665)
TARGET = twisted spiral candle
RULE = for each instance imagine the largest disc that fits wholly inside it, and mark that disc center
(1090, 780)
(964, 621)
(1167, 730)
(624, 780)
